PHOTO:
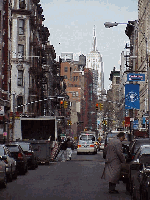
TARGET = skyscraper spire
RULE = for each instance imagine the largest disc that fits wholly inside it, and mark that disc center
(94, 40)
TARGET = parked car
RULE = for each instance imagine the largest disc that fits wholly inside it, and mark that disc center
(3, 176)
(11, 169)
(30, 154)
(17, 153)
(130, 152)
(136, 143)
(140, 174)
(86, 146)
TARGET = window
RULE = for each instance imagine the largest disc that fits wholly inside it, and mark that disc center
(75, 78)
(22, 4)
(21, 26)
(77, 94)
(117, 80)
(65, 77)
(20, 77)
(66, 69)
(20, 51)
(19, 103)
(73, 94)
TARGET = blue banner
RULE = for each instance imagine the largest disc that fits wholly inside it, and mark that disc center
(135, 124)
(135, 77)
(132, 99)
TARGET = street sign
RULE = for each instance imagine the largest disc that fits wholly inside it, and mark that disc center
(135, 77)
(135, 124)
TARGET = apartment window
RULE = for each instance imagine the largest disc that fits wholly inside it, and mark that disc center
(19, 104)
(20, 77)
(65, 77)
(75, 78)
(21, 26)
(22, 4)
(73, 94)
(117, 80)
(20, 51)
(66, 69)
(77, 94)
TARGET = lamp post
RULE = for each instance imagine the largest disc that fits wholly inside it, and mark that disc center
(112, 24)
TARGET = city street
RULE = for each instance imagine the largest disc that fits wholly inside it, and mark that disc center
(78, 179)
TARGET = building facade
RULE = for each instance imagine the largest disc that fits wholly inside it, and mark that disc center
(5, 66)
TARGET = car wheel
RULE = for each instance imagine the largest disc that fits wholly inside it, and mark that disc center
(36, 163)
(15, 175)
(78, 153)
(26, 169)
(4, 183)
(133, 197)
(128, 186)
(10, 176)
(33, 166)
(144, 195)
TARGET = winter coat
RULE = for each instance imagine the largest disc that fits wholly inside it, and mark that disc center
(63, 145)
(114, 158)
(70, 145)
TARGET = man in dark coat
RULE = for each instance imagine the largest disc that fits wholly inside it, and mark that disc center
(69, 148)
(114, 158)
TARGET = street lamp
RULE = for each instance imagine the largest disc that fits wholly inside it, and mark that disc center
(112, 24)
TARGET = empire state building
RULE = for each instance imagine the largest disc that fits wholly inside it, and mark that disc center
(94, 61)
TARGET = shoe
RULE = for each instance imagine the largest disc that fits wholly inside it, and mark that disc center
(113, 192)
(70, 158)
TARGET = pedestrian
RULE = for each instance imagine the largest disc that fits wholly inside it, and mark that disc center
(70, 147)
(114, 158)
(63, 147)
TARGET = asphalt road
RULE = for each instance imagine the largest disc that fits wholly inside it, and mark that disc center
(78, 179)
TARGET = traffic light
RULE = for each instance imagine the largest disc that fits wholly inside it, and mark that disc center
(101, 106)
(65, 104)
(61, 104)
(96, 106)
(69, 122)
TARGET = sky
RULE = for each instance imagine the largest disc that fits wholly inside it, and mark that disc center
(71, 24)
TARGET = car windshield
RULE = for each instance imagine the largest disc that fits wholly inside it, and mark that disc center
(87, 137)
(110, 134)
(25, 147)
(139, 143)
(1, 151)
(12, 148)
(145, 150)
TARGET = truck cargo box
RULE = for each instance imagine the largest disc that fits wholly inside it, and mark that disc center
(42, 149)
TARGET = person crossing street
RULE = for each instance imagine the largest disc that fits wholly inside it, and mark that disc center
(70, 147)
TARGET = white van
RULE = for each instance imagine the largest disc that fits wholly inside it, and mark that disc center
(86, 144)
